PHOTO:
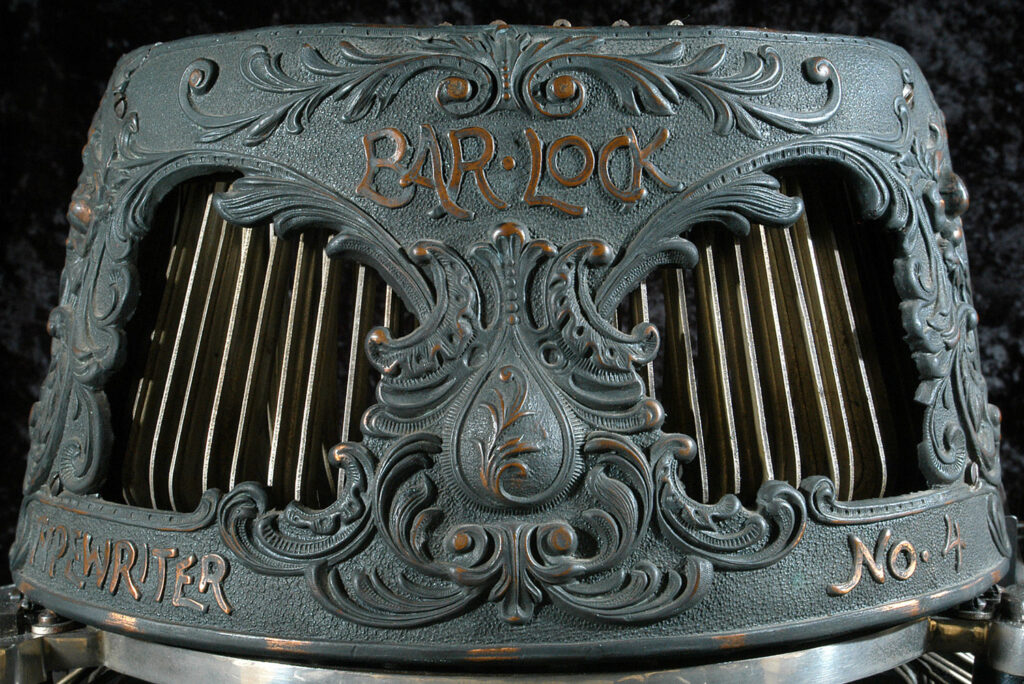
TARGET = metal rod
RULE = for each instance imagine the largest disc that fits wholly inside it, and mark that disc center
(262, 338)
(357, 376)
(293, 361)
(183, 325)
(136, 487)
(310, 414)
(815, 417)
(682, 375)
(641, 314)
(846, 320)
(773, 357)
(227, 355)
(831, 374)
(185, 410)
(744, 353)
(719, 408)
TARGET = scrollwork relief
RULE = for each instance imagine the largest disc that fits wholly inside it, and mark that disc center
(502, 68)
(513, 455)
(515, 387)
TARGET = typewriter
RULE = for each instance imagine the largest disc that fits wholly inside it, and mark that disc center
(451, 353)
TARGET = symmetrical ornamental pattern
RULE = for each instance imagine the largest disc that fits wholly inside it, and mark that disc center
(514, 455)
(517, 359)
(505, 68)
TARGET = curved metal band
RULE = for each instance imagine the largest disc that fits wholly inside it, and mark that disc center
(576, 520)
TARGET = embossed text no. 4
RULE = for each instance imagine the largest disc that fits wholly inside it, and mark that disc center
(900, 559)
(387, 151)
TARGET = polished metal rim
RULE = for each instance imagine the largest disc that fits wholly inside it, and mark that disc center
(829, 664)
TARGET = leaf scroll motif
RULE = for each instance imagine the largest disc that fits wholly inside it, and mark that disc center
(960, 426)
(502, 68)
(728, 535)
(521, 310)
(500, 457)
(285, 542)
(516, 564)
(515, 333)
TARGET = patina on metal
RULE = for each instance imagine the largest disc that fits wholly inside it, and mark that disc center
(515, 495)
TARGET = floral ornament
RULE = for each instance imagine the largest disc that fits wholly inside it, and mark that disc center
(503, 68)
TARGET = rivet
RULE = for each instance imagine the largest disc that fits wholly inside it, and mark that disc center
(564, 87)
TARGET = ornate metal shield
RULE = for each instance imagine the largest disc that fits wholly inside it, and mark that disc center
(515, 489)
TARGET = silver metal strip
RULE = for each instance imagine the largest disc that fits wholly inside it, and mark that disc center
(716, 364)
(183, 324)
(310, 413)
(226, 354)
(834, 663)
(813, 397)
(787, 451)
(679, 354)
(262, 332)
(292, 354)
(747, 349)
(642, 314)
(841, 299)
(184, 410)
(833, 384)
(355, 379)
(136, 485)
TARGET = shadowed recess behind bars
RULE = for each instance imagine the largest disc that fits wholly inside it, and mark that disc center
(781, 355)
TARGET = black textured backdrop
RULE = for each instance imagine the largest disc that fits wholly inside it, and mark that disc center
(56, 58)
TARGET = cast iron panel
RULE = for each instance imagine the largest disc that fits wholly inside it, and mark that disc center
(514, 494)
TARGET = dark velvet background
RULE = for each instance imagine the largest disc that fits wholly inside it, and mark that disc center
(58, 55)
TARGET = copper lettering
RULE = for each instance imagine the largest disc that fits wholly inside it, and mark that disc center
(476, 167)
(161, 556)
(145, 562)
(643, 158)
(633, 192)
(392, 162)
(639, 162)
(72, 557)
(536, 169)
(884, 557)
(584, 173)
(124, 559)
(41, 540)
(908, 551)
(862, 556)
(954, 542)
(212, 571)
(181, 580)
(91, 559)
(117, 565)
(428, 149)
(59, 539)
(427, 168)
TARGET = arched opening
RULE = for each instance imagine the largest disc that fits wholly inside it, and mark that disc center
(782, 352)
(245, 360)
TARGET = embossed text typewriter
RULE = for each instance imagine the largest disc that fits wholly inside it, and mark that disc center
(464, 351)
